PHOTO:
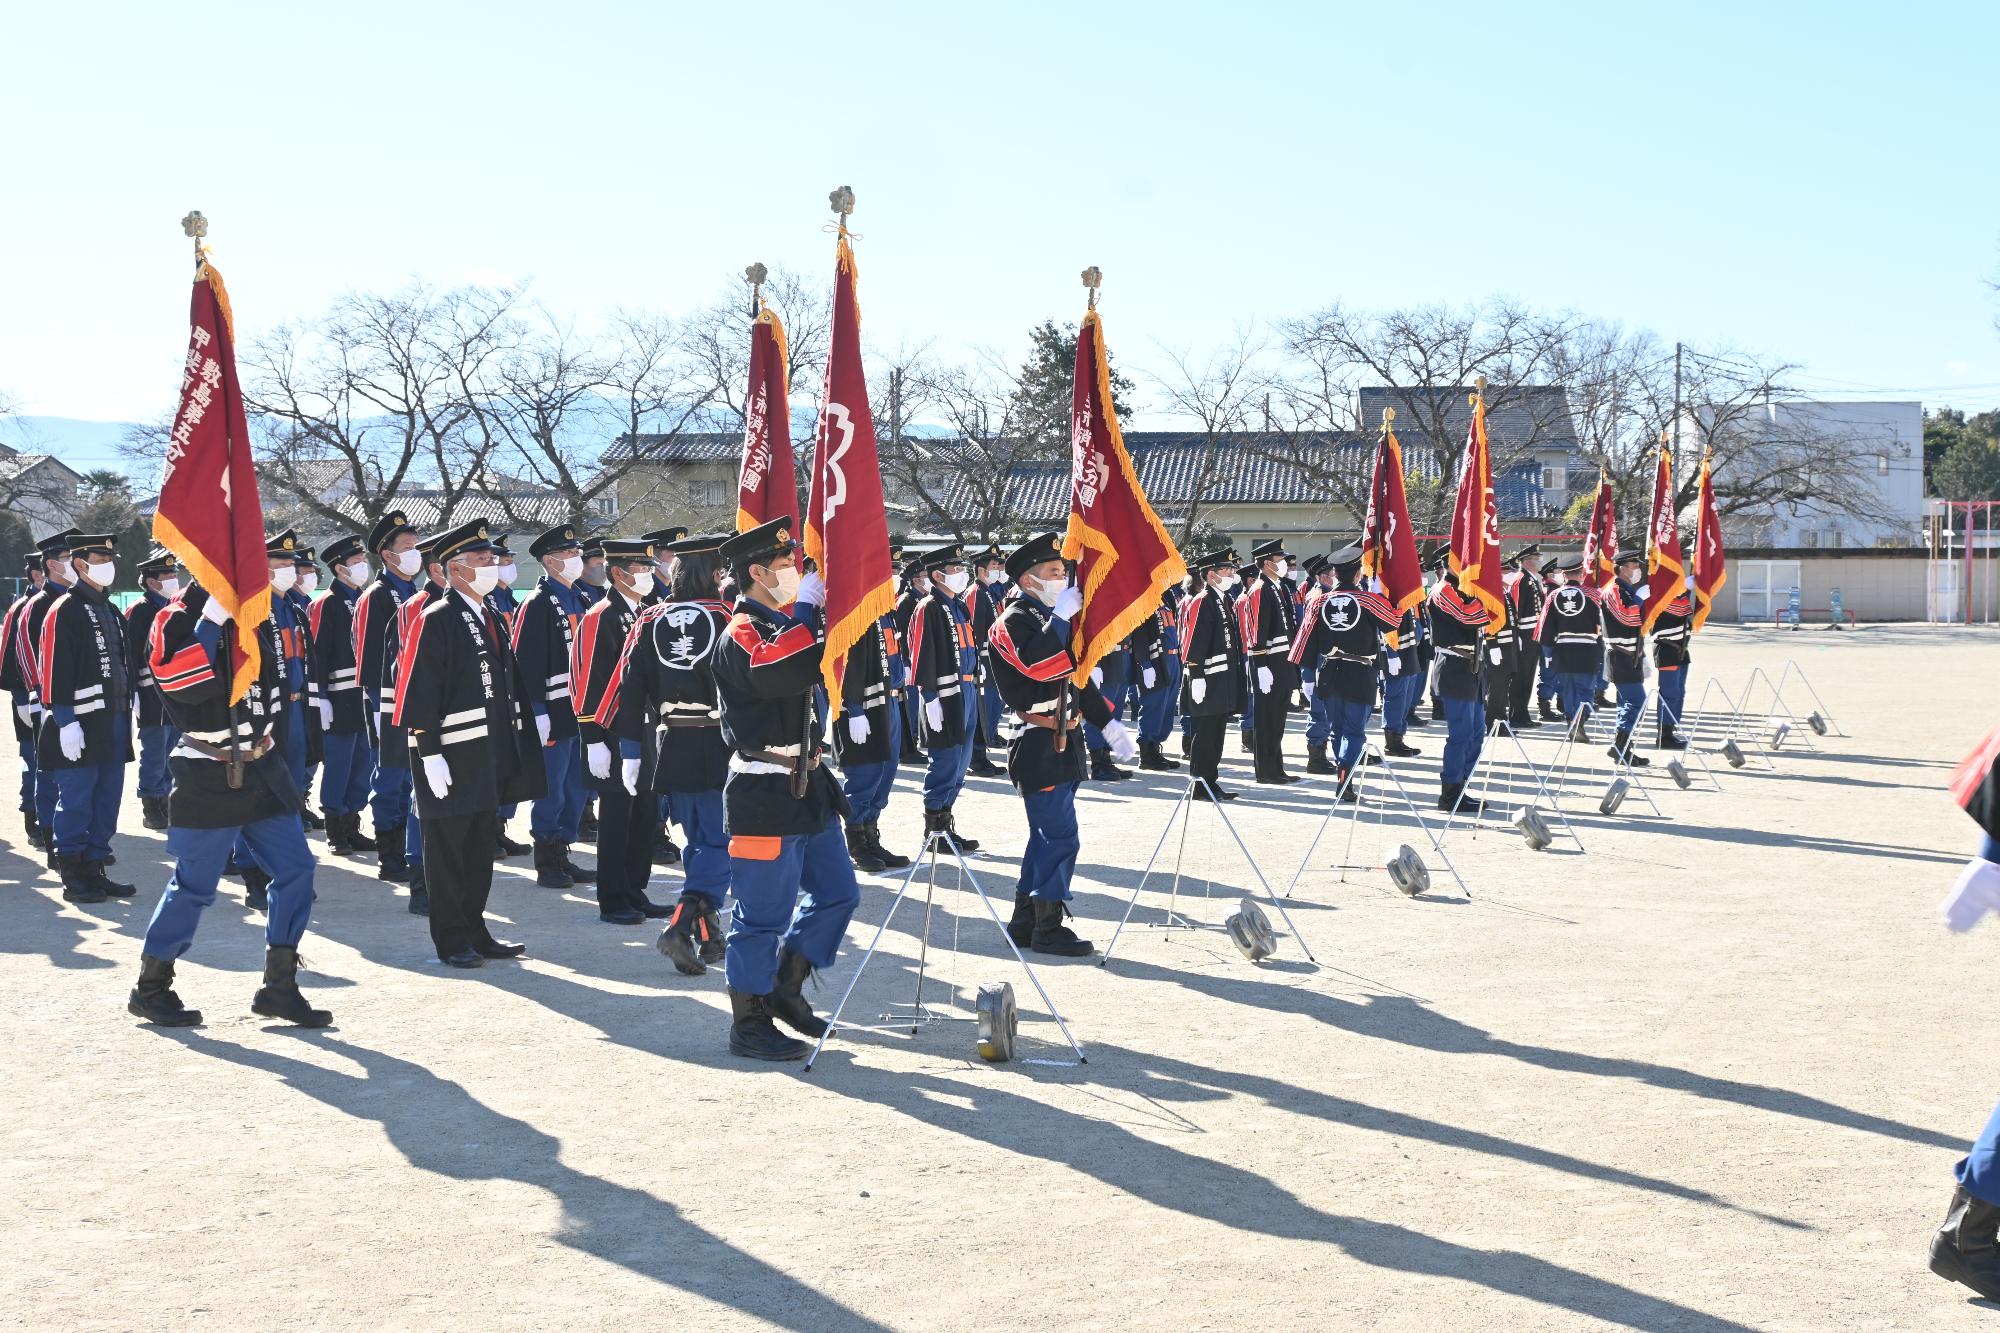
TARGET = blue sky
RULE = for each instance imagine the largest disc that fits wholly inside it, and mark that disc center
(1812, 182)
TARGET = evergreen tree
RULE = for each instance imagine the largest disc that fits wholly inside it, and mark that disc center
(1043, 392)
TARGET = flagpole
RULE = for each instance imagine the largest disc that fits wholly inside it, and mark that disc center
(1093, 278)
(755, 275)
(194, 226)
(1388, 417)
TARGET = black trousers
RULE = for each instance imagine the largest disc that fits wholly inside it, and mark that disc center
(1205, 745)
(1526, 660)
(627, 827)
(1499, 682)
(1268, 730)
(458, 872)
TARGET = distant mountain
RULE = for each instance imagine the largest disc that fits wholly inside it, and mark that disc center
(82, 445)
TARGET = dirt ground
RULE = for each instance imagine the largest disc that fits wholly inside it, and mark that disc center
(1711, 1072)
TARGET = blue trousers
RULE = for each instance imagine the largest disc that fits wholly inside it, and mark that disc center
(292, 745)
(45, 796)
(1399, 699)
(1093, 736)
(913, 715)
(1320, 728)
(1573, 691)
(1979, 1170)
(1157, 709)
(868, 785)
(798, 891)
(346, 770)
(199, 853)
(86, 810)
(1464, 732)
(155, 744)
(1049, 862)
(1631, 701)
(1545, 684)
(1350, 728)
(989, 712)
(1673, 688)
(393, 806)
(946, 773)
(555, 816)
(28, 762)
(704, 845)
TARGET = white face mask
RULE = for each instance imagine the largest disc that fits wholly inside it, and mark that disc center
(64, 576)
(354, 575)
(642, 584)
(282, 578)
(1045, 593)
(568, 568)
(955, 583)
(508, 573)
(103, 572)
(484, 579)
(308, 580)
(407, 563)
(170, 588)
(786, 589)
(921, 584)
(993, 576)
(1284, 568)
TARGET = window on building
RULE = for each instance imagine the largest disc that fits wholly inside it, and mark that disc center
(606, 506)
(1881, 465)
(1810, 537)
(708, 492)
(1837, 538)
(1555, 478)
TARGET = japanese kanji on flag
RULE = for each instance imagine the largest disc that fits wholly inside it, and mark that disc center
(1600, 540)
(847, 528)
(1475, 524)
(1389, 547)
(767, 483)
(209, 514)
(1710, 568)
(1124, 558)
(1666, 573)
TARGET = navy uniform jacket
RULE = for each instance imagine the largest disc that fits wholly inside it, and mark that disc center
(377, 636)
(1671, 633)
(1570, 626)
(1269, 620)
(189, 658)
(1524, 608)
(1457, 624)
(1212, 651)
(766, 670)
(1343, 630)
(661, 701)
(600, 643)
(138, 633)
(982, 607)
(942, 661)
(84, 676)
(1149, 646)
(456, 697)
(867, 689)
(28, 624)
(1625, 663)
(298, 641)
(545, 627)
(335, 674)
(1031, 662)
(17, 671)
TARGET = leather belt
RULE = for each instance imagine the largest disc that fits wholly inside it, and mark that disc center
(783, 760)
(246, 754)
(673, 721)
(1047, 721)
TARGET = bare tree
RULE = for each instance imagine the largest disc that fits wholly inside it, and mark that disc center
(1221, 391)
(717, 336)
(660, 386)
(976, 483)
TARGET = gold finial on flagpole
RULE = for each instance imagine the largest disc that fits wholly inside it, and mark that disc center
(1093, 278)
(194, 225)
(755, 275)
(1388, 415)
(842, 202)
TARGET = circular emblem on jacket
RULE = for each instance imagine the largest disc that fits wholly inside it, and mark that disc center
(684, 636)
(1570, 600)
(1340, 611)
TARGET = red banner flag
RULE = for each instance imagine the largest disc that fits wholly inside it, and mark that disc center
(767, 484)
(209, 515)
(847, 528)
(1666, 574)
(1475, 524)
(1389, 546)
(1600, 543)
(1124, 558)
(1710, 570)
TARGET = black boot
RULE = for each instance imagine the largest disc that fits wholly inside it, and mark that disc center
(312, 821)
(1316, 760)
(357, 841)
(1549, 711)
(861, 851)
(575, 871)
(686, 936)
(505, 846)
(1051, 936)
(1523, 721)
(1396, 747)
(965, 844)
(1452, 797)
(1249, 743)
(586, 824)
(420, 894)
(1202, 790)
(1021, 926)
(1349, 791)
(336, 833)
(982, 766)
(549, 871)
(1437, 709)
(155, 811)
(391, 863)
(1154, 760)
(78, 885)
(1621, 749)
(279, 996)
(787, 1000)
(1964, 1249)
(38, 837)
(1669, 740)
(114, 887)
(890, 860)
(153, 999)
(666, 852)
(752, 1035)
(256, 889)
(1103, 770)
(1600, 701)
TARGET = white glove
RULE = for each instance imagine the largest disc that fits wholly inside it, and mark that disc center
(1264, 680)
(1198, 689)
(1097, 677)
(857, 728)
(438, 773)
(812, 590)
(1123, 747)
(1976, 893)
(1495, 655)
(542, 727)
(26, 712)
(1068, 602)
(598, 755)
(70, 738)
(215, 611)
(934, 714)
(628, 773)
(1395, 665)
(1148, 677)
(326, 715)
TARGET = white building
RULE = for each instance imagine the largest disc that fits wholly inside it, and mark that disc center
(1877, 447)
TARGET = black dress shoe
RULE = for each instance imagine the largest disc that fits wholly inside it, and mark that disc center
(654, 911)
(464, 958)
(499, 949)
(622, 917)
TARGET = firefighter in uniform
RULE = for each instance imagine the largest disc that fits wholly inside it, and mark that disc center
(1523, 590)
(347, 759)
(916, 586)
(1032, 661)
(1458, 629)
(784, 810)
(17, 677)
(868, 739)
(502, 602)
(61, 577)
(982, 606)
(1213, 672)
(1671, 638)
(1269, 621)
(1624, 607)
(459, 699)
(86, 736)
(1320, 721)
(1344, 634)
(545, 629)
(229, 782)
(1571, 632)
(944, 671)
(1156, 656)
(1545, 680)
(160, 581)
(301, 599)
(294, 656)
(377, 632)
(669, 732)
(627, 822)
